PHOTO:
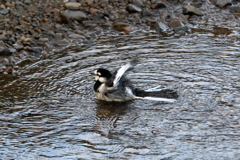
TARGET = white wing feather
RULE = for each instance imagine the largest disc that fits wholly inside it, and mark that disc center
(120, 73)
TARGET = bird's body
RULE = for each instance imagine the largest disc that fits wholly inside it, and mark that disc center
(116, 87)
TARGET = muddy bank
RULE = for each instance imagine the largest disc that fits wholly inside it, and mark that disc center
(31, 29)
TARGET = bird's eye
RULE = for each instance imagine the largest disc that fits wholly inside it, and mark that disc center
(98, 73)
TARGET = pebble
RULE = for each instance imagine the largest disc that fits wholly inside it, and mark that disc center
(133, 9)
(189, 9)
(223, 3)
(43, 39)
(4, 51)
(73, 5)
(182, 28)
(67, 17)
(18, 46)
(138, 3)
(175, 23)
(160, 27)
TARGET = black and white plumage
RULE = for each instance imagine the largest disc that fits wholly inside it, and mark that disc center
(116, 87)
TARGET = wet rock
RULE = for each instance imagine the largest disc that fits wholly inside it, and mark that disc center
(146, 12)
(93, 10)
(43, 39)
(182, 28)
(223, 3)
(160, 5)
(24, 23)
(190, 10)
(89, 24)
(27, 1)
(67, 17)
(3, 11)
(175, 23)
(160, 27)
(133, 9)
(35, 49)
(18, 46)
(76, 36)
(125, 27)
(138, 3)
(62, 42)
(105, 2)
(73, 5)
(4, 51)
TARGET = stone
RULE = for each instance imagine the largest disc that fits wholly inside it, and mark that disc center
(182, 28)
(4, 11)
(42, 39)
(190, 10)
(18, 46)
(73, 5)
(175, 23)
(160, 27)
(27, 1)
(223, 3)
(4, 51)
(36, 49)
(67, 17)
(76, 36)
(160, 5)
(133, 9)
(105, 2)
(138, 3)
(146, 12)
(89, 24)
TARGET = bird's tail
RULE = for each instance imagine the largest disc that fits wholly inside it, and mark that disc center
(165, 95)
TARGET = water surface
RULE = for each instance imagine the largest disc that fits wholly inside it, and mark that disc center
(48, 110)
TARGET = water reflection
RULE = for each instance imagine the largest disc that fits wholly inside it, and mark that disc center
(48, 110)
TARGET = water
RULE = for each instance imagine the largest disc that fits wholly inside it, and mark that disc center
(48, 110)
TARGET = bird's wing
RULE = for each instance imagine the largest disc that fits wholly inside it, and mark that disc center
(123, 70)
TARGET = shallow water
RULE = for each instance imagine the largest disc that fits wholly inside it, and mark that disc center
(48, 110)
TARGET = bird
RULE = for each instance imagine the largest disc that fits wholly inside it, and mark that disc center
(117, 87)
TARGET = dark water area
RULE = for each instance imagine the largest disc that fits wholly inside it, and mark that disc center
(48, 109)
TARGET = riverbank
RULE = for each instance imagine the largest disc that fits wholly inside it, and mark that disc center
(31, 29)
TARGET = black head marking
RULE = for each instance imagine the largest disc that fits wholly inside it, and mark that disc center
(104, 73)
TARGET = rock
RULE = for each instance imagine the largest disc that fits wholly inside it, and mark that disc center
(105, 2)
(4, 51)
(125, 27)
(36, 49)
(160, 27)
(89, 24)
(89, 1)
(182, 28)
(190, 10)
(73, 5)
(175, 23)
(27, 1)
(4, 11)
(42, 39)
(62, 42)
(223, 3)
(146, 12)
(133, 9)
(18, 46)
(160, 5)
(138, 3)
(93, 10)
(24, 23)
(67, 17)
(76, 36)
